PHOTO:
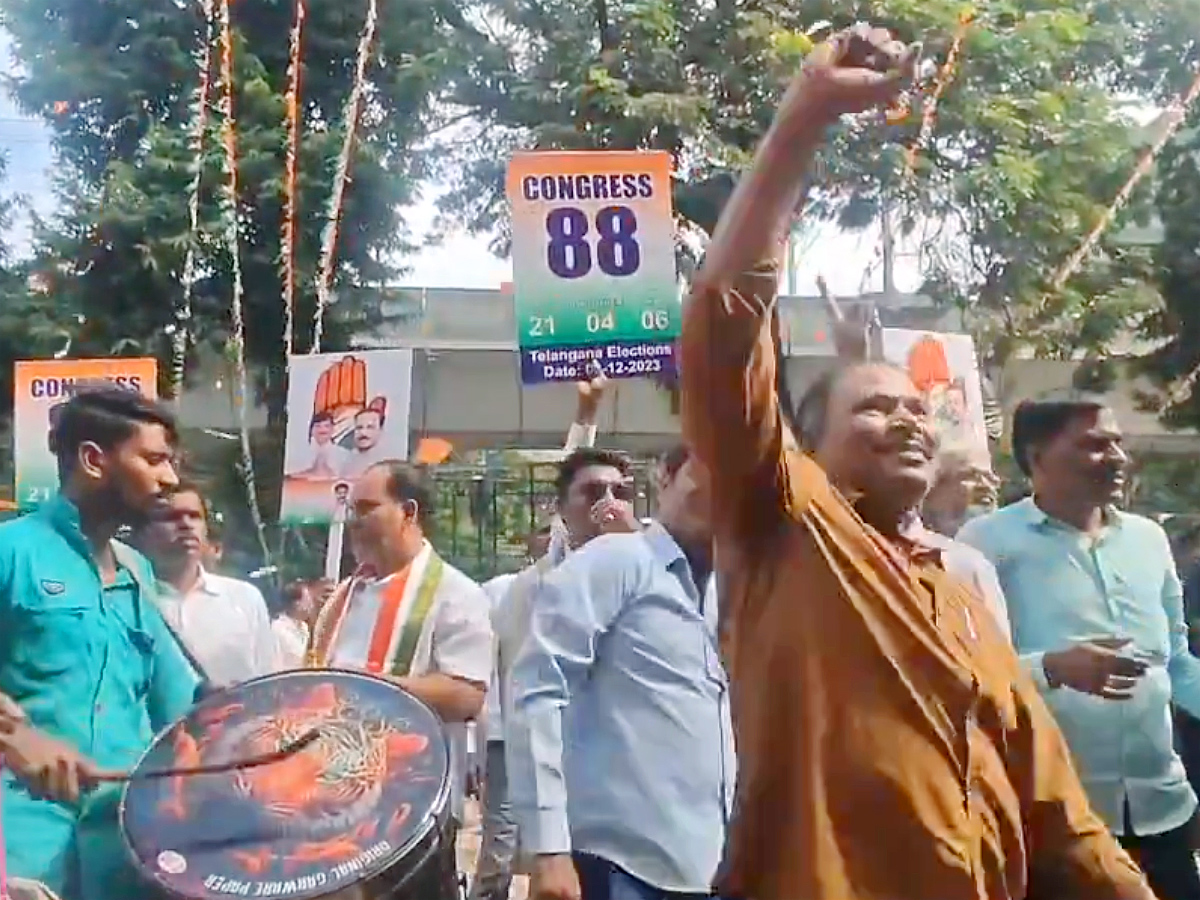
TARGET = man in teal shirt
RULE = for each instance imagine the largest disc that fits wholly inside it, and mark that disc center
(1097, 616)
(84, 651)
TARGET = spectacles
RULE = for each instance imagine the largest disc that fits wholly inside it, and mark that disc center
(595, 491)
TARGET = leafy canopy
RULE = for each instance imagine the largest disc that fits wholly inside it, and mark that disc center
(117, 83)
(1030, 144)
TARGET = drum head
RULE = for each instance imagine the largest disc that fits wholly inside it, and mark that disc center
(351, 804)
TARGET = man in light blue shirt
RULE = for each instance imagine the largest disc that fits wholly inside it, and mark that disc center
(498, 842)
(83, 648)
(1097, 615)
(621, 753)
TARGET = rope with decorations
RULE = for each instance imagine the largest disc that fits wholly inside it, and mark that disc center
(1174, 117)
(942, 80)
(350, 117)
(199, 118)
(232, 218)
(287, 241)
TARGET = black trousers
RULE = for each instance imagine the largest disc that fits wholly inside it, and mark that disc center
(1167, 859)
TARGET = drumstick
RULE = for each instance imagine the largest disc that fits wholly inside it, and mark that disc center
(264, 759)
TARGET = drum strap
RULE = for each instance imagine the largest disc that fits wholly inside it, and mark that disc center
(406, 648)
(148, 594)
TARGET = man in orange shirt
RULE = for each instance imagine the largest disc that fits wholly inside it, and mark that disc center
(889, 745)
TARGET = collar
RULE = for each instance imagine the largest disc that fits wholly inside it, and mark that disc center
(921, 544)
(368, 574)
(1033, 515)
(665, 547)
(204, 585)
(915, 542)
(62, 515)
(559, 545)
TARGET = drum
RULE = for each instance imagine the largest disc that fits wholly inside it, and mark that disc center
(361, 809)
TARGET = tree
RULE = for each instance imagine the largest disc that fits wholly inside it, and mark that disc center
(28, 324)
(1030, 143)
(1177, 327)
(688, 78)
(116, 83)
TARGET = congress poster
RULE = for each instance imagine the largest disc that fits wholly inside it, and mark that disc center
(345, 412)
(40, 389)
(944, 368)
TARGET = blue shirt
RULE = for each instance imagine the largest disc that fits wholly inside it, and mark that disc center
(93, 666)
(620, 743)
(1063, 587)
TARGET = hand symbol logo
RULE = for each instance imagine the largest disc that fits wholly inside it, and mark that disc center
(341, 392)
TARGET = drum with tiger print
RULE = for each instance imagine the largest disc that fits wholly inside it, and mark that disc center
(362, 810)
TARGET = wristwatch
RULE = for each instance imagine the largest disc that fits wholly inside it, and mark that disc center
(1051, 682)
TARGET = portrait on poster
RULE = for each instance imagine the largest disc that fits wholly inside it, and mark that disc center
(346, 412)
(944, 369)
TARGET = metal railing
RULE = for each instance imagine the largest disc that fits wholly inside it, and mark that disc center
(483, 514)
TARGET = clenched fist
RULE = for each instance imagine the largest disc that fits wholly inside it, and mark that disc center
(858, 69)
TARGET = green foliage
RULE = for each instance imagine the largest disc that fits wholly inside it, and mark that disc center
(1177, 327)
(689, 78)
(29, 322)
(1030, 144)
(1029, 147)
(117, 83)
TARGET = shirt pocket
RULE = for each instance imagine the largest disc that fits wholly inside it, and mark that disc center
(136, 649)
(51, 635)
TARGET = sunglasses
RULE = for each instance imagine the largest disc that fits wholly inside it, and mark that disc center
(595, 491)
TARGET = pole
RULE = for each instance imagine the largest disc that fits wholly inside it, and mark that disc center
(889, 250)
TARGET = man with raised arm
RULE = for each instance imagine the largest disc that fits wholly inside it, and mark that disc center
(890, 747)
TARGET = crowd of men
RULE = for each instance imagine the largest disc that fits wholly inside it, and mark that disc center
(822, 671)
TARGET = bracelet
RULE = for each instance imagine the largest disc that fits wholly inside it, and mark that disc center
(1051, 682)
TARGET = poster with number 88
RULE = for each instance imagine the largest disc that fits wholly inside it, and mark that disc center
(593, 263)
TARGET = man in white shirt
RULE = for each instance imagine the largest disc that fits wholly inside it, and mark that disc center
(293, 624)
(406, 614)
(223, 622)
(323, 457)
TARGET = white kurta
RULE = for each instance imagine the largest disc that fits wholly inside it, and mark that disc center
(291, 637)
(455, 639)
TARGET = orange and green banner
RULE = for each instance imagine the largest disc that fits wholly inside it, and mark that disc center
(41, 388)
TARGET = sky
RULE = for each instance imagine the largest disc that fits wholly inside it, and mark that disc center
(460, 260)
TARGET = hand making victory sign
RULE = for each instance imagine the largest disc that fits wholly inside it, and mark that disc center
(856, 334)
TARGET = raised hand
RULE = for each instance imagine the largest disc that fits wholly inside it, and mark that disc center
(591, 392)
(858, 69)
(855, 333)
